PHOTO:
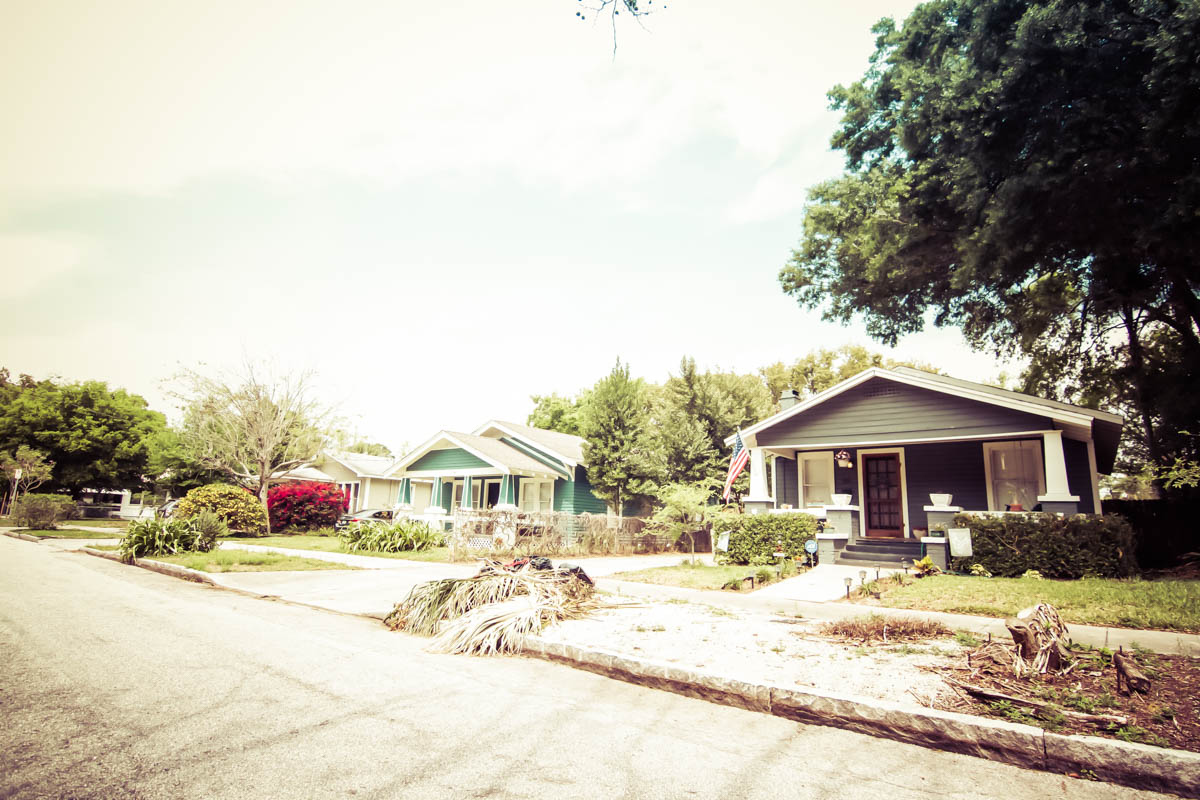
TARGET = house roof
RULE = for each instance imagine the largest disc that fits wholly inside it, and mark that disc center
(363, 465)
(564, 446)
(309, 473)
(1088, 423)
(502, 457)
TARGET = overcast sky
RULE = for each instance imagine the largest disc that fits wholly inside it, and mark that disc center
(439, 208)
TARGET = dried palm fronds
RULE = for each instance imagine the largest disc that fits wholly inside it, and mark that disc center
(492, 611)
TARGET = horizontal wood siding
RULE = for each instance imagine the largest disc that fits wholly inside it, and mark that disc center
(954, 467)
(1079, 474)
(586, 502)
(881, 410)
(451, 459)
(564, 496)
(845, 480)
(786, 478)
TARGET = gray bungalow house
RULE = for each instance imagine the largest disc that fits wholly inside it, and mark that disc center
(499, 465)
(872, 450)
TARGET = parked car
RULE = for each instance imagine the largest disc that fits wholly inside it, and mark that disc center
(167, 508)
(366, 515)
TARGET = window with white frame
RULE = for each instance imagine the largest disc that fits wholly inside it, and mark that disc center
(1015, 476)
(816, 478)
(476, 493)
(537, 495)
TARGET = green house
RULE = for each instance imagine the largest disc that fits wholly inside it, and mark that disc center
(499, 465)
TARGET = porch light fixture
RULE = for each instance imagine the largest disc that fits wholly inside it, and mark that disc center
(848, 582)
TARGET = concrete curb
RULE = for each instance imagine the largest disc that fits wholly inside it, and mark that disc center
(1136, 765)
(174, 570)
(24, 536)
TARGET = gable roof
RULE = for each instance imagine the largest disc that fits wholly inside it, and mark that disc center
(1087, 423)
(363, 465)
(500, 456)
(563, 446)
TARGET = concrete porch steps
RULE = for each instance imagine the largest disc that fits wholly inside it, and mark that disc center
(880, 552)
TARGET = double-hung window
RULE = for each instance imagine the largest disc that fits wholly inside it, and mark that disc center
(1015, 475)
(537, 495)
(816, 479)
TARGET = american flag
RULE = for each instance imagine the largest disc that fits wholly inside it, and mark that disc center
(736, 464)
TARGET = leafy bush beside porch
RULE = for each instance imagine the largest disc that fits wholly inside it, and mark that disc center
(753, 538)
(1067, 547)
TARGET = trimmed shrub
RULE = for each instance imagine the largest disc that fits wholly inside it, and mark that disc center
(236, 507)
(304, 506)
(42, 511)
(157, 537)
(1069, 547)
(401, 536)
(754, 538)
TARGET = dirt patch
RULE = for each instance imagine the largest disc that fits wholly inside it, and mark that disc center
(1168, 715)
(764, 648)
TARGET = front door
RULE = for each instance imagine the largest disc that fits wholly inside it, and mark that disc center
(881, 487)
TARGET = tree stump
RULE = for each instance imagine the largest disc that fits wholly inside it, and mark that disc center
(1039, 640)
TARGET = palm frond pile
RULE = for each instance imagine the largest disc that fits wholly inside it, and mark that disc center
(493, 611)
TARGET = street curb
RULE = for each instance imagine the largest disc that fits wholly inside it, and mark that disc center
(174, 570)
(1130, 764)
(27, 537)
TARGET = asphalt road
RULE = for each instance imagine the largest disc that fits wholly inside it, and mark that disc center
(119, 682)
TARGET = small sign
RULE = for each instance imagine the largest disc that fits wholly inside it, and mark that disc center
(810, 546)
(960, 542)
(723, 541)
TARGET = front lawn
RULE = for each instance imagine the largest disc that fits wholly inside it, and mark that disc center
(1161, 605)
(697, 576)
(246, 561)
(331, 544)
(68, 533)
(120, 524)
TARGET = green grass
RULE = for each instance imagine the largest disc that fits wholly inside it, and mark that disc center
(330, 544)
(120, 524)
(245, 561)
(689, 576)
(1157, 605)
(66, 533)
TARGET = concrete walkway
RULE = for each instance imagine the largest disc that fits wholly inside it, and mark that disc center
(374, 591)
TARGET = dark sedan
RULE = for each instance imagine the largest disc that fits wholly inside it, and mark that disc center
(366, 515)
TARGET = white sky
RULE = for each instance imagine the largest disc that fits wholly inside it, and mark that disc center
(440, 209)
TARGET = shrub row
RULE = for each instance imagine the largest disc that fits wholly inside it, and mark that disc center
(1057, 547)
(400, 536)
(754, 538)
(156, 537)
(42, 511)
(305, 506)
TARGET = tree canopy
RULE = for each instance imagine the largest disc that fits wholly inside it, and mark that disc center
(96, 437)
(614, 424)
(1027, 171)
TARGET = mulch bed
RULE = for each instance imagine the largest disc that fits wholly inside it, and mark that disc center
(1168, 715)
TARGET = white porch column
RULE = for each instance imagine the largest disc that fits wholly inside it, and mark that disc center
(1058, 496)
(759, 499)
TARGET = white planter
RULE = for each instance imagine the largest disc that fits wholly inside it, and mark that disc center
(841, 499)
(941, 499)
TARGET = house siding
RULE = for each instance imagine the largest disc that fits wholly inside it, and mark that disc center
(954, 467)
(1079, 474)
(575, 496)
(452, 458)
(882, 410)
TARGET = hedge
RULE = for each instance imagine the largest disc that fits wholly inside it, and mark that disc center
(304, 506)
(1076, 546)
(42, 511)
(237, 507)
(754, 538)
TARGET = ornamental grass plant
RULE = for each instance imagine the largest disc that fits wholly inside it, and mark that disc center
(155, 537)
(403, 535)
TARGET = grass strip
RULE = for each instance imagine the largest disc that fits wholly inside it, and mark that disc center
(331, 544)
(246, 561)
(1171, 605)
(693, 576)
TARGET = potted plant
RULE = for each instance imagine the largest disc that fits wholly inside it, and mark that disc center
(841, 499)
(940, 498)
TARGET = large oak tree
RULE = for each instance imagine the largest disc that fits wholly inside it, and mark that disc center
(1030, 173)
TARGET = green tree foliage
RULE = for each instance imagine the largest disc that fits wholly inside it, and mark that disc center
(821, 369)
(170, 466)
(1027, 171)
(97, 438)
(30, 465)
(370, 449)
(684, 512)
(613, 422)
(552, 412)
